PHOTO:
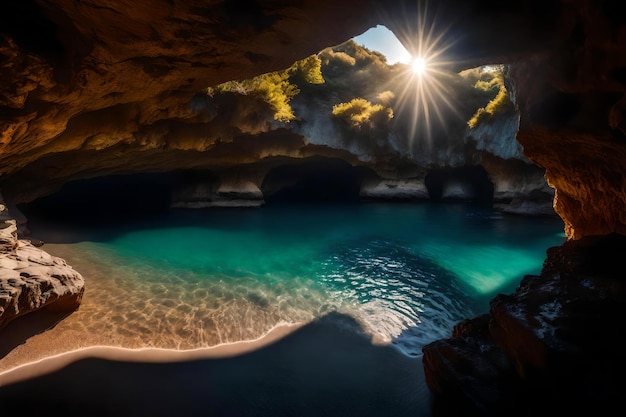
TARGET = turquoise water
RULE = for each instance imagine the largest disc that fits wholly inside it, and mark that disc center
(407, 272)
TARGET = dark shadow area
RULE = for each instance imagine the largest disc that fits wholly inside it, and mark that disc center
(327, 368)
(117, 198)
(556, 109)
(472, 180)
(19, 330)
(98, 206)
(18, 19)
(313, 179)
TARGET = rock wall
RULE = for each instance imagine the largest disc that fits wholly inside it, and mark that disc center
(544, 350)
(571, 99)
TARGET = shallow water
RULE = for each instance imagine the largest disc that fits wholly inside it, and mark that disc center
(407, 272)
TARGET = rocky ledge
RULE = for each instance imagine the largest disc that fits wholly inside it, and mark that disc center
(32, 279)
(550, 348)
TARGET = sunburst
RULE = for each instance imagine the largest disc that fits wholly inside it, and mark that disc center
(424, 90)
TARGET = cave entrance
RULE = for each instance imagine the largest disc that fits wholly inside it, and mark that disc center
(313, 180)
(111, 199)
(460, 184)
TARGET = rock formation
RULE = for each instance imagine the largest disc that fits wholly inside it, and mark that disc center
(30, 278)
(235, 143)
(545, 349)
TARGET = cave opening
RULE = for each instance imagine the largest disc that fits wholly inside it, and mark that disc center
(460, 184)
(106, 200)
(313, 180)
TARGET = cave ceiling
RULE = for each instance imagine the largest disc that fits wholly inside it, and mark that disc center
(116, 78)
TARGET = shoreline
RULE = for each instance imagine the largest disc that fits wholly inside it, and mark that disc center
(329, 366)
(110, 320)
(49, 364)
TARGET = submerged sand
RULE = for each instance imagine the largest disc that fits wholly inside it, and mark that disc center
(123, 311)
(86, 364)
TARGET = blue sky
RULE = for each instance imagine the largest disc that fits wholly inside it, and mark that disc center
(383, 40)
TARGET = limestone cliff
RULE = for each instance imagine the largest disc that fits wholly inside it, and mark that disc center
(122, 78)
(236, 134)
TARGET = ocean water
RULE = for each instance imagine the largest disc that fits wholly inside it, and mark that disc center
(189, 278)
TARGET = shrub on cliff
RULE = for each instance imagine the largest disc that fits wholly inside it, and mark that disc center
(276, 88)
(491, 80)
(361, 114)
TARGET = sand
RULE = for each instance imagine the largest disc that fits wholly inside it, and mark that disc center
(33, 360)
(100, 361)
(328, 367)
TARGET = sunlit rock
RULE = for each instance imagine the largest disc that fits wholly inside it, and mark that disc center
(237, 193)
(32, 279)
(406, 189)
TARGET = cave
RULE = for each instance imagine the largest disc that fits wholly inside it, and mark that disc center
(105, 200)
(315, 180)
(473, 181)
(112, 100)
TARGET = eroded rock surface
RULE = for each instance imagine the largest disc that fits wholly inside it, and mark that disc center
(547, 349)
(32, 279)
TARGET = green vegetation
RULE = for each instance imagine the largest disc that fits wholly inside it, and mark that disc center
(362, 114)
(276, 88)
(307, 70)
(362, 93)
(491, 81)
(355, 70)
(386, 97)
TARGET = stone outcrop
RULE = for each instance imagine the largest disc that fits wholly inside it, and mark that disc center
(547, 348)
(405, 189)
(32, 279)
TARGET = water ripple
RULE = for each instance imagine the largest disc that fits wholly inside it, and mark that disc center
(408, 273)
(400, 296)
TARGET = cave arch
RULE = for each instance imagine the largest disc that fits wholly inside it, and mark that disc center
(460, 184)
(315, 179)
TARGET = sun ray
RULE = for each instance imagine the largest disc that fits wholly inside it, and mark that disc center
(425, 92)
(419, 65)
